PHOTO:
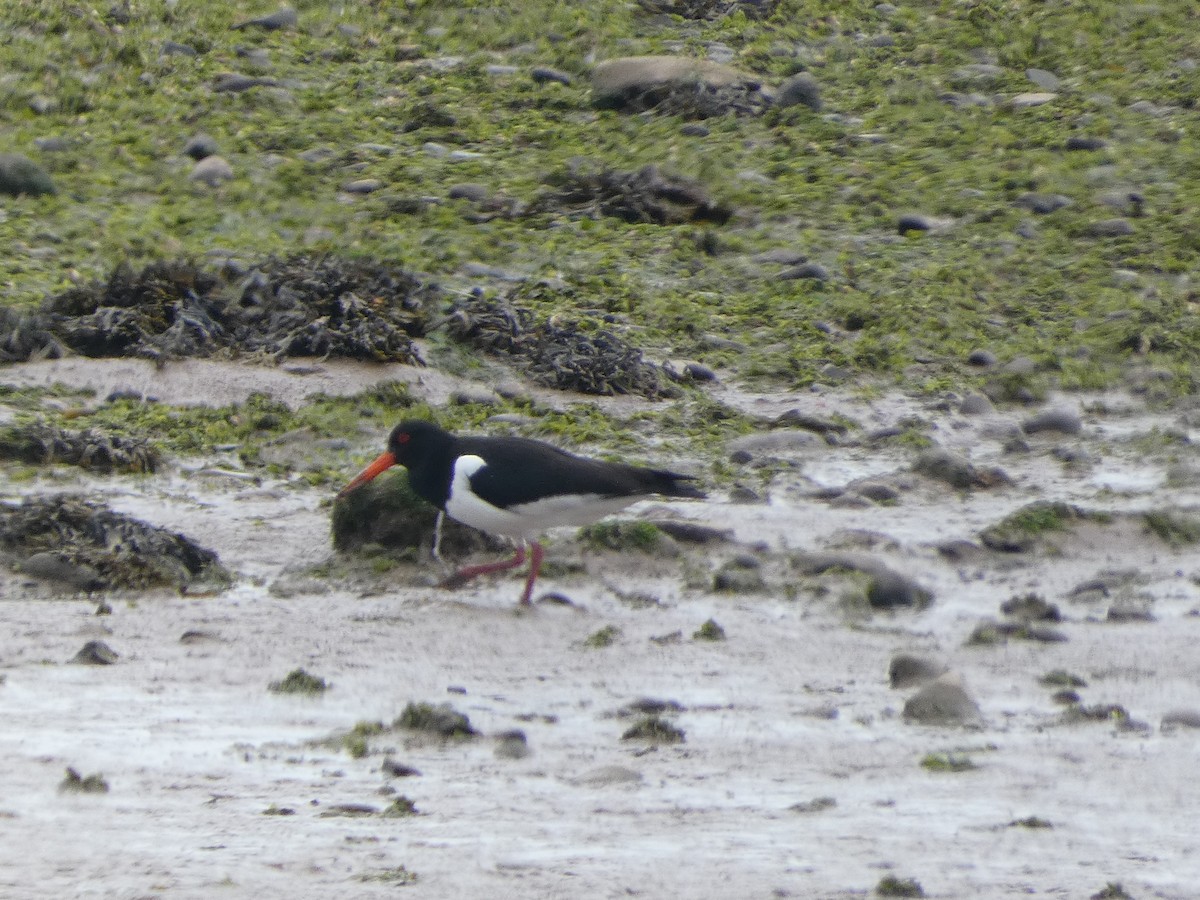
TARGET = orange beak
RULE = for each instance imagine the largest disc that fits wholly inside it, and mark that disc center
(385, 461)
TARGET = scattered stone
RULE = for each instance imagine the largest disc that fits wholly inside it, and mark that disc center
(21, 175)
(891, 886)
(819, 804)
(400, 808)
(175, 48)
(299, 681)
(394, 769)
(654, 730)
(797, 418)
(942, 702)
(1181, 718)
(49, 566)
(199, 636)
(74, 783)
(443, 721)
(1047, 81)
(95, 653)
(1082, 142)
(546, 75)
(805, 271)
(53, 144)
(692, 532)
(799, 90)
(1061, 678)
(976, 404)
(1042, 204)
(1129, 612)
(1027, 527)
(200, 146)
(362, 186)
(906, 670)
(512, 745)
(1027, 100)
(947, 466)
(476, 193)
(605, 776)
(212, 170)
(284, 17)
(1110, 228)
(348, 811)
(690, 88)
(889, 590)
(983, 358)
(735, 577)
(877, 491)
(236, 83)
(915, 222)
(649, 706)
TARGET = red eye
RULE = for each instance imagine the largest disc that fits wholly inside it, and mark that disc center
(403, 438)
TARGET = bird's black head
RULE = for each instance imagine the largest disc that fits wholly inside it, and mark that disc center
(413, 439)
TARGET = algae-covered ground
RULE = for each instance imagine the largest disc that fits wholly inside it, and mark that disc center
(916, 307)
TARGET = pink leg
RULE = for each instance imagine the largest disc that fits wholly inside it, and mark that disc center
(462, 576)
(535, 565)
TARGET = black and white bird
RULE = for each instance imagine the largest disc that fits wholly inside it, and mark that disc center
(515, 487)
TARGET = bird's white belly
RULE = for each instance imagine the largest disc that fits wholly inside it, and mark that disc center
(528, 519)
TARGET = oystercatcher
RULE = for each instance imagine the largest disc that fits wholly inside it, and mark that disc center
(514, 487)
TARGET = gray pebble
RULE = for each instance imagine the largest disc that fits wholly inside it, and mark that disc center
(362, 186)
(1110, 228)
(877, 491)
(695, 129)
(95, 653)
(545, 75)
(21, 175)
(799, 90)
(813, 271)
(52, 567)
(889, 590)
(174, 48)
(200, 145)
(914, 222)
(235, 82)
(1063, 420)
(52, 144)
(906, 670)
(1028, 100)
(781, 255)
(476, 193)
(212, 170)
(1187, 718)
(284, 17)
(942, 703)
(1047, 81)
(797, 418)
(1082, 142)
(944, 465)
(1042, 204)
(975, 404)
(982, 358)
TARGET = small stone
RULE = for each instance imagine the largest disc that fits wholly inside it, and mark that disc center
(546, 75)
(798, 418)
(511, 745)
(236, 83)
(606, 776)
(95, 653)
(1082, 142)
(51, 566)
(1042, 204)
(695, 129)
(54, 144)
(1026, 101)
(394, 769)
(889, 590)
(175, 48)
(1064, 421)
(476, 193)
(906, 670)
(976, 404)
(1110, 228)
(284, 17)
(982, 358)
(362, 186)
(942, 702)
(1185, 718)
(212, 170)
(1047, 81)
(74, 783)
(698, 372)
(941, 464)
(811, 270)
(200, 146)
(914, 222)
(799, 90)
(21, 175)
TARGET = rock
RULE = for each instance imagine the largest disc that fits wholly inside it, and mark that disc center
(1031, 607)
(1082, 142)
(877, 491)
(175, 48)
(889, 590)
(1110, 228)
(606, 776)
(199, 146)
(95, 653)
(1047, 81)
(737, 578)
(284, 17)
(1042, 204)
(982, 358)
(797, 418)
(212, 170)
(615, 80)
(1064, 421)
(941, 464)
(1186, 718)
(476, 193)
(799, 90)
(914, 222)
(813, 271)
(511, 744)
(52, 567)
(546, 75)
(692, 532)
(976, 404)
(53, 144)
(772, 441)
(942, 702)
(695, 129)
(21, 175)
(1025, 101)
(906, 670)
(236, 83)
(362, 186)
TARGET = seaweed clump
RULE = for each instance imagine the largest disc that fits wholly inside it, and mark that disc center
(555, 353)
(121, 551)
(642, 196)
(298, 306)
(91, 448)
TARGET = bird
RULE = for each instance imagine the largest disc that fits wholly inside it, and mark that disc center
(515, 487)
